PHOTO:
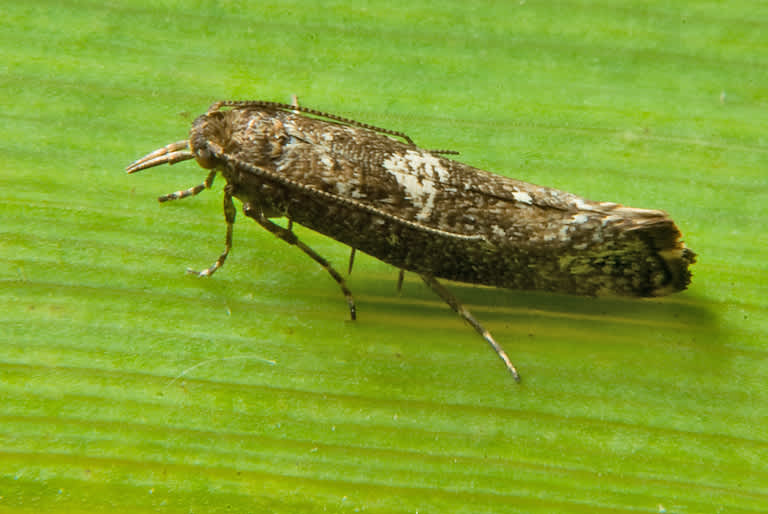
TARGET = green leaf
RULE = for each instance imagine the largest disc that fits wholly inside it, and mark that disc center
(128, 386)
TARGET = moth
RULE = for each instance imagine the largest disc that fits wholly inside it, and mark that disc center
(376, 191)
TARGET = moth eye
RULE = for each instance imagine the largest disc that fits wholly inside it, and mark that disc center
(204, 158)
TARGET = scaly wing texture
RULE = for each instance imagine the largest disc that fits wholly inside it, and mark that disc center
(528, 237)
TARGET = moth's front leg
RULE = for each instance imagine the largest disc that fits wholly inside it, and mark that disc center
(192, 191)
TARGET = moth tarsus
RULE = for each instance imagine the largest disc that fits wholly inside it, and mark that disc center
(419, 211)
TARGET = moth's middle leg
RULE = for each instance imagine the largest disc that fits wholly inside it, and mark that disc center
(290, 238)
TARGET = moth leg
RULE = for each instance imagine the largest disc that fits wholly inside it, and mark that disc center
(290, 238)
(192, 191)
(400, 277)
(351, 260)
(229, 216)
(462, 311)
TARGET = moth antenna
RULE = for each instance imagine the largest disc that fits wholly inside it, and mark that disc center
(169, 154)
(255, 104)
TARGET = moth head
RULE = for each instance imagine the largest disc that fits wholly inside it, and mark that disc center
(203, 137)
(202, 146)
(204, 157)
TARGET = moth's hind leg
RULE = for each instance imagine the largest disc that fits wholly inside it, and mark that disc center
(290, 238)
(462, 311)
(229, 216)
